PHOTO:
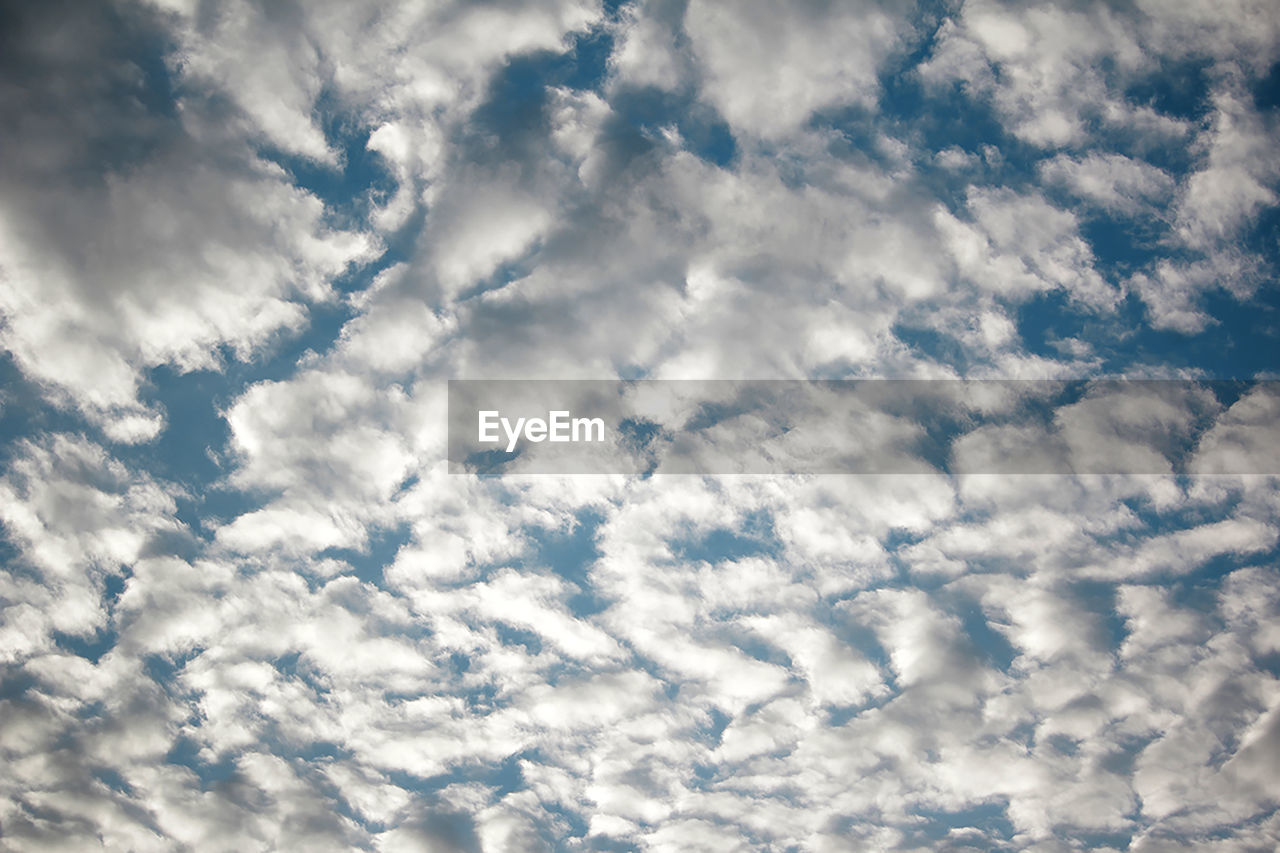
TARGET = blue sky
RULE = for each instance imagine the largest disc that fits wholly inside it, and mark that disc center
(244, 605)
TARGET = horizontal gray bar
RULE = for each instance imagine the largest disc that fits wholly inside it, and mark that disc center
(864, 426)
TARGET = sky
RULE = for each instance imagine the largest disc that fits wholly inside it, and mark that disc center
(245, 605)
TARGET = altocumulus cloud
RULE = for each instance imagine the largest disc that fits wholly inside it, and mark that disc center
(244, 606)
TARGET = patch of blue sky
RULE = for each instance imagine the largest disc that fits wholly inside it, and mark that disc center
(1149, 516)
(303, 754)
(751, 535)
(113, 780)
(1221, 834)
(1266, 90)
(358, 180)
(503, 775)
(934, 118)
(749, 643)
(369, 563)
(191, 450)
(511, 124)
(222, 773)
(293, 665)
(490, 463)
(26, 412)
(857, 636)
(1098, 599)
(149, 47)
(481, 698)
(513, 114)
(901, 537)
(1064, 744)
(1241, 341)
(937, 345)
(1198, 588)
(641, 113)
(513, 118)
(989, 645)
(90, 647)
(570, 554)
(188, 452)
(1121, 245)
(211, 774)
(506, 272)
(1178, 87)
(517, 637)
(637, 434)
(717, 722)
(1044, 322)
(93, 646)
(940, 825)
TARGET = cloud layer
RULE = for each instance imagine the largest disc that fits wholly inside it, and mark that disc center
(245, 607)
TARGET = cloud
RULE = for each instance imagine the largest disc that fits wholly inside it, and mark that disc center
(648, 46)
(1115, 183)
(308, 216)
(79, 518)
(1040, 67)
(1023, 245)
(1060, 77)
(821, 56)
(153, 236)
(1237, 179)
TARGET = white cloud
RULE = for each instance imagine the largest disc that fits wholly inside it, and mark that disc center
(817, 57)
(1116, 183)
(1040, 66)
(1057, 78)
(1238, 178)
(368, 652)
(1018, 246)
(647, 53)
(145, 239)
(78, 517)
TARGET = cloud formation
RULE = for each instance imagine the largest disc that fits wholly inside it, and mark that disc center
(244, 605)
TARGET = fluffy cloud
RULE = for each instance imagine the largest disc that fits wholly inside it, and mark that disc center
(152, 236)
(1116, 183)
(1059, 77)
(768, 67)
(323, 639)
